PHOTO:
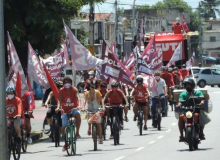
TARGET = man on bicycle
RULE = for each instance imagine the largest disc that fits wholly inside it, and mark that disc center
(177, 77)
(94, 99)
(68, 100)
(14, 110)
(28, 111)
(140, 93)
(184, 72)
(115, 97)
(162, 92)
(189, 84)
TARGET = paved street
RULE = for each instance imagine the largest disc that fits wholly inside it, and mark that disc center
(153, 144)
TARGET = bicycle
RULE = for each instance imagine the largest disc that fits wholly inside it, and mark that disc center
(56, 131)
(104, 125)
(94, 119)
(24, 137)
(158, 117)
(70, 134)
(13, 144)
(116, 123)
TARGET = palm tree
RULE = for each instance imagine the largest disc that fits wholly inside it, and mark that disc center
(210, 7)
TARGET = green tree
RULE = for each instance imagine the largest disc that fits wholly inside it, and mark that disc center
(39, 22)
(210, 7)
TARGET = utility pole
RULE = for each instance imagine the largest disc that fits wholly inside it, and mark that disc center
(116, 27)
(91, 28)
(133, 14)
(3, 124)
(200, 35)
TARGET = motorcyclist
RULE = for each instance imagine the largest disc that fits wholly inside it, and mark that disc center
(189, 85)
(139, 92)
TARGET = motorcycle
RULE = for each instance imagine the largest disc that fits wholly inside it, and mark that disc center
(191, 120)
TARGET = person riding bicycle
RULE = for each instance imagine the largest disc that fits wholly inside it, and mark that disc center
(140, 93)
(91, 78)
(62, 75)
(177, 77)
(27, 103)
(115, 97)
(68, 100)
(51, 110)
(184, 72)
(169, 81)
(189, 85)
(161, 91)
(94, 99)
(14, 110)
(98, 84)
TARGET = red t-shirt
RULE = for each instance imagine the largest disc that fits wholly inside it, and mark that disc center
(184, 73)
(168, 78)
(69, 100)
(28, 101)
(14, 107)
(115, 99)
(177, 28)
(140, 94)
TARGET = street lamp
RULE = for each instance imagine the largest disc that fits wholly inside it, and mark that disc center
(133, 13)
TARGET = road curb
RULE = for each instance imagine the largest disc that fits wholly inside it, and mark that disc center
(36, 135)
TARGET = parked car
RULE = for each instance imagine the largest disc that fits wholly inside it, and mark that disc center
(206, 76)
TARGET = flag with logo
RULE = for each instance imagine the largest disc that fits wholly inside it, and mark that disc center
(81, 57)
(156, 62)
(151, 83)
(189, 63)
(15, 67)
(185, 26)
(177, 55)
(149, 51)
(35, 70)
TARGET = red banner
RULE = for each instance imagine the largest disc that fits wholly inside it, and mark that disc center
(169, 44)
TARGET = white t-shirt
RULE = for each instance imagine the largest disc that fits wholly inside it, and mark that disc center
(160, 87)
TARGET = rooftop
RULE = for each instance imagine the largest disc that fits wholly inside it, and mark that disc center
(99, 16)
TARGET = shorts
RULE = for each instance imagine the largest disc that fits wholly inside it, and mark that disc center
(16, 121)
(142, 104)
(64, 117)
(51, 111)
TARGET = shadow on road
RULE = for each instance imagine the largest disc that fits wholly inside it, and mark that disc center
(200, 149)
(145, 134)
(35, 152)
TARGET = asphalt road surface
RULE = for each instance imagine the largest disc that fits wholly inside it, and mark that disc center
(153, 144)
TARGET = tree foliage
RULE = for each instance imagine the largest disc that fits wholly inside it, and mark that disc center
(39, 22)
(209, 8)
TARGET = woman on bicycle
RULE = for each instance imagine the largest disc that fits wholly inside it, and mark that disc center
(115, 97)
(94, 98)
(140, 93)
(14, 110)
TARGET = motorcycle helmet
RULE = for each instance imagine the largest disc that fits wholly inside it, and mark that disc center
(189, 81)
(114, 84)
(139, 79)
(10, 89)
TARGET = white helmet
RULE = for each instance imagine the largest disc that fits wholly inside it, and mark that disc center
(91, 72)
(139, 77)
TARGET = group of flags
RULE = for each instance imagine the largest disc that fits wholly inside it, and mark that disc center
(42, 70)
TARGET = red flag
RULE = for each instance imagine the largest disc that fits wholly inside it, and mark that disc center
(18, 86)
(31, 99)
(29, 84)
(185, 24)
(53, 86)
(149, 51)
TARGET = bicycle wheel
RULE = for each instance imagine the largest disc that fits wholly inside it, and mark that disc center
(24, 140)
(140, 119)
(118, 131)
(94, 136)
(46, 126)
(103, 124)
(73, 140)
(158, 118)
(68, 141)
(56, 132)
(10, 144)
(16, 150)
(115, 130)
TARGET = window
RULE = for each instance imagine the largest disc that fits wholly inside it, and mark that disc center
(206, 71)
(212, 39)
(215, 71)
(195, 71)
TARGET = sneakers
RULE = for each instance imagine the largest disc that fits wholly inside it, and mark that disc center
(181, 139)
(126, 119)
(29, 140)
(111, 136)
(122, 124)
(100, 141)
(202, 136)
(77, 135)
(163, 114)
(145, 127)
(135, 117)
(89, 132)
(64, 148)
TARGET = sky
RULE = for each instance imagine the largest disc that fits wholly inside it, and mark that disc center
(108, 6)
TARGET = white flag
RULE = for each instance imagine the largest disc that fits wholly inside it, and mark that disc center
(177, 55)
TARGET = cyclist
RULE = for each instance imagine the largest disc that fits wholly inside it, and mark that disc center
(14, 109)
(27, 103)
(51, 100)
(124, 89)
(94, 99)
(98, 84)
(91, 78)
(62, 75)
(189, 85)
(161, 91)
(115, 97)
(68, 99)
(169, 81)
(177, 77)
(184, 72)
(140, 97)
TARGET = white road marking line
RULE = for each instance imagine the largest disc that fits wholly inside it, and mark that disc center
(120, 158)
(168, 130)
(173, 124)
(215, 92)
(152, 142)
(139, 149)
(160, 137)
